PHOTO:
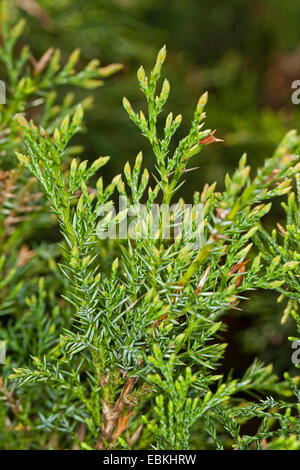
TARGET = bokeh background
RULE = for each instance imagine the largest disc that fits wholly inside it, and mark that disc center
(246, 53)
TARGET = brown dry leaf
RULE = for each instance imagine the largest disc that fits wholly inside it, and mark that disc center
(210, 139)
(271, 176)
(39, 66)
(239, 280)
(237, 266)
(135, 436)
(222, 213)
(8, 395)
(122, 425)
(282, 230)
(12, 220)
(202, 281)
(25, 254)
(158, 322)
(219, 236)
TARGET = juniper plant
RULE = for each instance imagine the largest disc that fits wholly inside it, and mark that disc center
(30, 87)
(140, 365)
(29, 278)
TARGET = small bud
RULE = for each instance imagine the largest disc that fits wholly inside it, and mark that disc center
(138, 160)
(90, 84)
(75, 251)
(178, 119)
(161, 55)
(145, 178)
(169, 121)
(290, 265)
(241, 255)
(117, 179)
(243, 161)
(97, 164)
(165, 90)
(141, 75)
(127, 170)
(18, 29)
(22, 158)
(179, 339)
(65, 124)
(157, 351)
(21, 120)
(82, 167)
(78, 115)
(85, 261)
(202, 101)
(92, 65)
(74, 57)
(143, 118)
(99, 185)
(275, 262)
(227, 181)
(110, 69)
(276, 284)
(56, 135)
(115, 264)
(128, 107)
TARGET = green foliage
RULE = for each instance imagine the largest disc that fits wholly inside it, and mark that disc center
(285, 254)
(32, 314)
(139, 363)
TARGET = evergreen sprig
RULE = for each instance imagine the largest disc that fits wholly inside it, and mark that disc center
(140, 363)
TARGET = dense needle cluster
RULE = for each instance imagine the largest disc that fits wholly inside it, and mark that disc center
(120, 346)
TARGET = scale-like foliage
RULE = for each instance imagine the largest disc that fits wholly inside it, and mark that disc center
(32, 313)
(140, 365)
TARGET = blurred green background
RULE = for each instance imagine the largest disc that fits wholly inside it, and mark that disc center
(246, 53)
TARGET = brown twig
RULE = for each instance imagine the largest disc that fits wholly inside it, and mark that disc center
(113, 419)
